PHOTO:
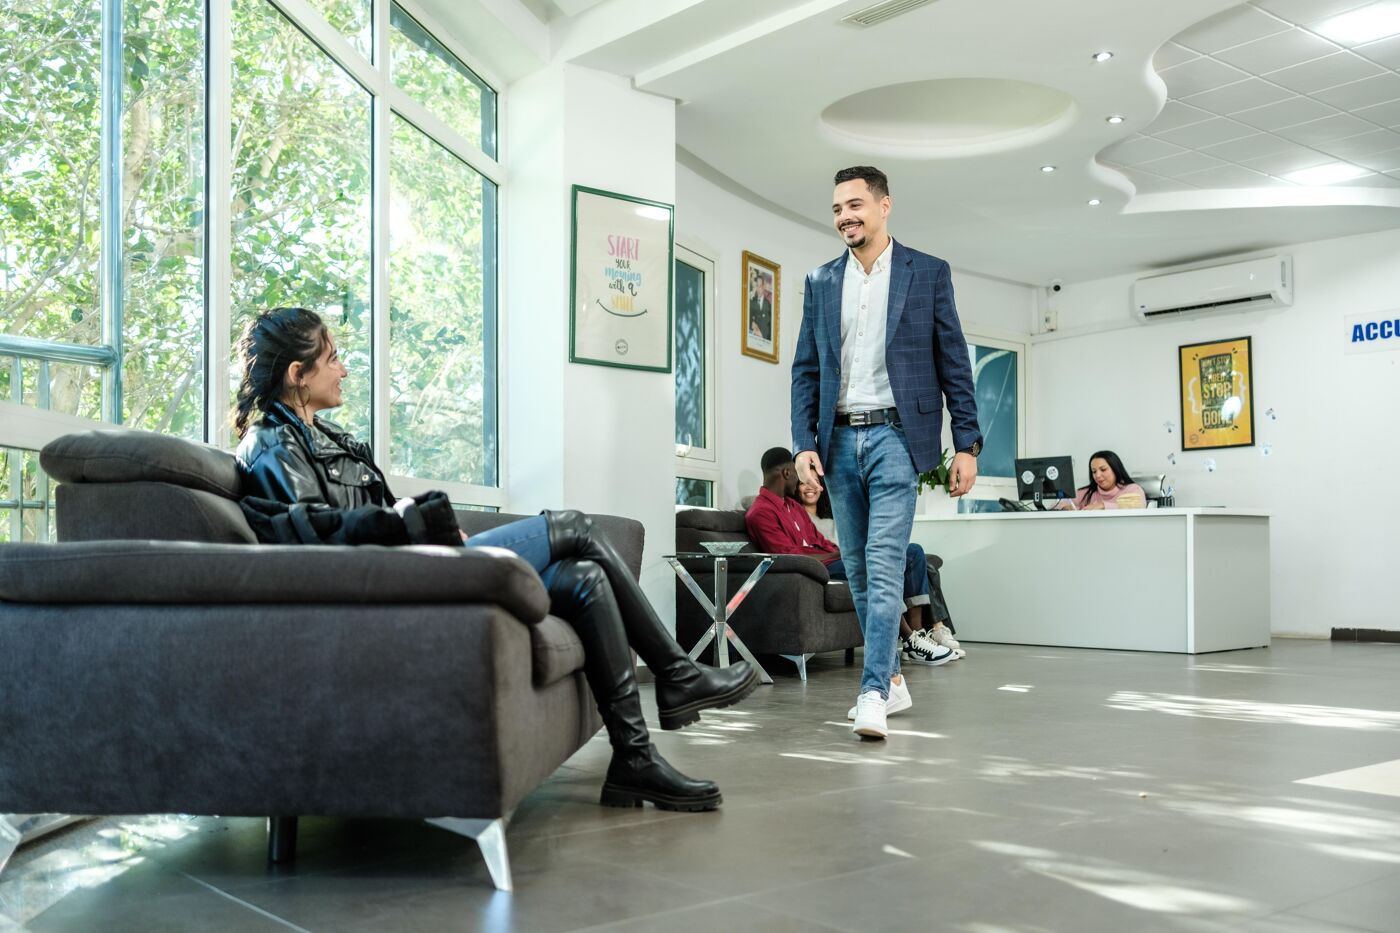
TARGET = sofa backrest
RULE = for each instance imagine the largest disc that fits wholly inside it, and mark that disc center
(696, 525)
(141, 485)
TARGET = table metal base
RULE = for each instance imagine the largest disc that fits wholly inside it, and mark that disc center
(720, 611)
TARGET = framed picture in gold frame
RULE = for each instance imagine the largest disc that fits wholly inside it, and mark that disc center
(762, 281)
(1217, 394)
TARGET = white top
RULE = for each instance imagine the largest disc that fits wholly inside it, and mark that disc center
(865, 299)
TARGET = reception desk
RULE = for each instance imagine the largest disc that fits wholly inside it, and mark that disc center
(1181, 580)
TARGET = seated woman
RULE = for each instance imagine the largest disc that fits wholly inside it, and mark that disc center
(1110, 488)
(287, 454)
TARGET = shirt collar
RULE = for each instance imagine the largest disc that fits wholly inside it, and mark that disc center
(882, 262)
(765, 493)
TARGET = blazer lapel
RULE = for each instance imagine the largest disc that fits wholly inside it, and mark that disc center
(901, 277)
(835, 279)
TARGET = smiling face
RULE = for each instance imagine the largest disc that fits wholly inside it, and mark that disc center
(318, 387)
(808, 495)
(1102, 474)
(858, 214)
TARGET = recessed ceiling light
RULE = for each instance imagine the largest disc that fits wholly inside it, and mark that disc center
(1115, 119)
(1047, 169)
(1328, 174)
(1102, 57)
(1094, 202)
(1375, 21)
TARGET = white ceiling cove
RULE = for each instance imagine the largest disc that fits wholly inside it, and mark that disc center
(962, 102)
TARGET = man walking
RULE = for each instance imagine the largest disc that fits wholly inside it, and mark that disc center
(879, 349)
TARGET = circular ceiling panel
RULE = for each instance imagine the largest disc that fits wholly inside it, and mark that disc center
(948, 117)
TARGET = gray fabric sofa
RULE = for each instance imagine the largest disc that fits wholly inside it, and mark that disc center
(158, 660)
(795, 611)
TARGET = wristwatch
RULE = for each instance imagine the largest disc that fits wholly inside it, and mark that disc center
(975, 449)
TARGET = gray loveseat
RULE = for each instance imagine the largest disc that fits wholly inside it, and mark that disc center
(795, 611)
(158, 660)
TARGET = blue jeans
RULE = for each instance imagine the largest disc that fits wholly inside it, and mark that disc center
(528, 537)
(916, 586)
(872, 481)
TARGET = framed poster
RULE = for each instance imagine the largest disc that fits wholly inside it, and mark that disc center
(620, 281)
(1217, 394)
(762, 281)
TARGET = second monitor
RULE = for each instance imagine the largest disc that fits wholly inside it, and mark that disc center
(1041, 478)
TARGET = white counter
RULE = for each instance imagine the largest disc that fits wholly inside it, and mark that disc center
(1182, 580)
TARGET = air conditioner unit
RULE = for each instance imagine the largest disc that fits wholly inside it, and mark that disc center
(1236, 286)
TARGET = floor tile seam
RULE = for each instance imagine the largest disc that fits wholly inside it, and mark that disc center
(1291, 914)
(245, 904)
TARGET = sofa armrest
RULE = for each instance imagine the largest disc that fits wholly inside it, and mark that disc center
(191, 573)
(745, 563)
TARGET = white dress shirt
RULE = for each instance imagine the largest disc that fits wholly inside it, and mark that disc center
(865, 381)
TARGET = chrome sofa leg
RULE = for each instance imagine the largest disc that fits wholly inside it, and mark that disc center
(801, 661)
(490, 835)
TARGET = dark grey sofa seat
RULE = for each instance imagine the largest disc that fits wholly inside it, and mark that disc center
(158, 660)
(796, 610)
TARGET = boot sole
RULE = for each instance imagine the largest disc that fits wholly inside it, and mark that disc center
(614, 796)
(682, 716)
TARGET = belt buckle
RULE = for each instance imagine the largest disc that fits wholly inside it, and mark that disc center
(859, 418)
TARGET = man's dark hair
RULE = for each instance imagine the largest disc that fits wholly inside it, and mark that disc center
(875, 179)
(775, 458)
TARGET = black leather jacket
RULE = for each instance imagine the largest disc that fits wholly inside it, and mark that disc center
(283, 459)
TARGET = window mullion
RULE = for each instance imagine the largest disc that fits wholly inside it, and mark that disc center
(333, 43)
(218, 218)
(433, 126)
(379, 320)
(111, 206)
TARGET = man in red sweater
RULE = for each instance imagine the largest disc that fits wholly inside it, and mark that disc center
(779, 524)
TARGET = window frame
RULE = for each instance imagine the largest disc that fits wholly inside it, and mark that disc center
(999, 487)
(701, 462)
(31, 427)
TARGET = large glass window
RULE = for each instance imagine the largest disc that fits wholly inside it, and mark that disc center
(695, 364)
(162, 216)
(442, 354)
(50, 202)
(430, 74)
(301, 191)
(695, 492)
(139, 148)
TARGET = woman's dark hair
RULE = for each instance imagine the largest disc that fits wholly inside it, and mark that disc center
(1120, 473)
(824, 504)
(272, 342)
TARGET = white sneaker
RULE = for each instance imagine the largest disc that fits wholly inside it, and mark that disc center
(899, 700)
(870, 716)
(942, 636)
(924, 650)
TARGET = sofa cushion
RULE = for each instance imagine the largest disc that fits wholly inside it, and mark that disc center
(187, 573)
(836, 597)
(555, 649)
(727, 520)
(148, 511)
(115, 456)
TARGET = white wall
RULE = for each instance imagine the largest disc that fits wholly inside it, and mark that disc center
(594, 438)
(752, 396)
(1334, 441)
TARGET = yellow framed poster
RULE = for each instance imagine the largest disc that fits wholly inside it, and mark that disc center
(1217, 394)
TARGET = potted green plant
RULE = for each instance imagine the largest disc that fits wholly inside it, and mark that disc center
(937, 478)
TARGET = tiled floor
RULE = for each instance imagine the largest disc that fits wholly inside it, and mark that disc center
(1029, 790)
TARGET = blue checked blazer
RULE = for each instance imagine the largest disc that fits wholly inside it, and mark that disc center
(925, 353)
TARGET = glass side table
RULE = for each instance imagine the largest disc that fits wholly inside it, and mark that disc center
(718, 609)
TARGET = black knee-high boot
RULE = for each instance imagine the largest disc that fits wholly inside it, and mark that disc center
(683, 687)
(581, 595)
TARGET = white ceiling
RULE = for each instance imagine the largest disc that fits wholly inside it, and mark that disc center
(1221, 101)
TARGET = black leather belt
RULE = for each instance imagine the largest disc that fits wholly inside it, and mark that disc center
(860, 419)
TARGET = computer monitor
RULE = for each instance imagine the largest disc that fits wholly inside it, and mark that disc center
(1041, 478)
